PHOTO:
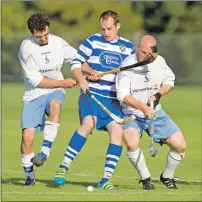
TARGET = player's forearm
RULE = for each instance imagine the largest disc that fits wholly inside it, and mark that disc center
(86, 68)
(49, 83)
(78, 74)
(165, 88)
(130, 101)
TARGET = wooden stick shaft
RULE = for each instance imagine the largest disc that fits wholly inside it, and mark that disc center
(109, 72)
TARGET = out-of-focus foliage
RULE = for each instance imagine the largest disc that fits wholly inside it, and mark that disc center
(80, 18)
(170, 17)
(76, 20)
(72, 20)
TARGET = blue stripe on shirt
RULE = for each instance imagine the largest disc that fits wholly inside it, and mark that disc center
(106, 93)
(104, 82)
(87, 44)
(133, 51)
(82, 54)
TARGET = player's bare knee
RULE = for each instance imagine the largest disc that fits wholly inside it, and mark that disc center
(27, 137)
(132, 146)
(90, 126)
(55, 105)
(87, 126)
(132, 139)
(178, 145)
(181, 144)
(182, 148)
(28, 134)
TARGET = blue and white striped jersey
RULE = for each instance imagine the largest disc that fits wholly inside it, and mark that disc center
(103, 56)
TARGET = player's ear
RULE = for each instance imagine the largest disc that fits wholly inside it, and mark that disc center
(118, 26)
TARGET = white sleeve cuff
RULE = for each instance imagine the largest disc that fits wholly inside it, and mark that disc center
(169, 83)
(121, 96)
(35, 82)
(75, 67)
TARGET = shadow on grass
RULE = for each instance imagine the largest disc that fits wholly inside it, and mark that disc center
(183, 182)
(51, 184)
(47, 183)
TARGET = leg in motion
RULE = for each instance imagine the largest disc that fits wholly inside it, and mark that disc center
(50, 133)
(112, 156)
(176, 153)
(26, 155)
(75, 145)
(136, 156)
(32, 121)
(53, 107)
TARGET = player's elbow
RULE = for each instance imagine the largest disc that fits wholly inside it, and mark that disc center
(120, 96)
(76, 64)
(73, 67)
(35, 82)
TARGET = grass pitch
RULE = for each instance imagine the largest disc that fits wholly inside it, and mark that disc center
(183, 104)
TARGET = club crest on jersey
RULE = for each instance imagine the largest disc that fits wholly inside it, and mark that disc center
(122, 48)
(57, 67)
(155, 86)
(47, 60)
(146, 78)
(110, 60)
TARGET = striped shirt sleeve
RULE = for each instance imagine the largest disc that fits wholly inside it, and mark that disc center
(83, 54)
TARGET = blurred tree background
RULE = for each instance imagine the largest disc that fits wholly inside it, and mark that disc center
(176, 25)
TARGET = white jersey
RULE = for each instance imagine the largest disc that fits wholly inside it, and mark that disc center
(142, 82)
(43, 61)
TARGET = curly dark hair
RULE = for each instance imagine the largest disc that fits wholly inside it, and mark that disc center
(38, 22)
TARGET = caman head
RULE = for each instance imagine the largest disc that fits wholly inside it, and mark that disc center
(147, 48)
(154, 53)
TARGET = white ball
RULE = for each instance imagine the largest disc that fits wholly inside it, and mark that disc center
(90, 188)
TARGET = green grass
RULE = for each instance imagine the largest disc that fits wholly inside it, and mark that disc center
(183, 104)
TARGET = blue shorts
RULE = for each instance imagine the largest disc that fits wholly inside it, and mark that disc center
(164, 126)
(33, 113)
(87, 106)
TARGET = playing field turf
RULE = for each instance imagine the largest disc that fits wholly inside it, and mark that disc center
(183, 104)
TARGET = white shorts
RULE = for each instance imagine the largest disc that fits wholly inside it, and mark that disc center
(33, 113)
(164, 126)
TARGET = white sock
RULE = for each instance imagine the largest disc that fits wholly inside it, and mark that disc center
(50, 133)
(173, 159)
(28, 165)
(138, 161)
